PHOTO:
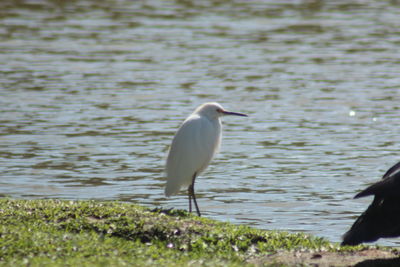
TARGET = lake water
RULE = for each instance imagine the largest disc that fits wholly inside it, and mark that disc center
(92, 92)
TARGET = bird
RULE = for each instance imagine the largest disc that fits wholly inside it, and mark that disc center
(193, 147)
(382, 217)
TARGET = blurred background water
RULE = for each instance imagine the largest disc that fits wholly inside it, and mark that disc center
(92, 92)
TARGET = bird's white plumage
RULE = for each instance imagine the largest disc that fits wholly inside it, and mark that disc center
(193, 147)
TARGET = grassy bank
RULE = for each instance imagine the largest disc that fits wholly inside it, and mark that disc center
(89, 233)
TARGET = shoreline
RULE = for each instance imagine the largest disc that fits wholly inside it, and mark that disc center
(112, 233)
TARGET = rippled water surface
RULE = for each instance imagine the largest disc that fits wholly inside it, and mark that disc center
(92, 92)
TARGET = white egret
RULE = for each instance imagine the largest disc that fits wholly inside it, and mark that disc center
(382, 217)
(193, 147)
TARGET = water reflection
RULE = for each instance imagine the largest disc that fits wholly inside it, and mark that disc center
(91, 93)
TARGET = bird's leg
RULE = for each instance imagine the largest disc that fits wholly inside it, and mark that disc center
(191, 193)
(190, 198)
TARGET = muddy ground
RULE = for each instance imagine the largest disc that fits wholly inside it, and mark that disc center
(364, 258)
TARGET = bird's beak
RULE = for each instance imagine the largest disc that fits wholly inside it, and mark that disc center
(233, 113)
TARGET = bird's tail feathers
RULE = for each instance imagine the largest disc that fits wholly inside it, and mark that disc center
(171, 188)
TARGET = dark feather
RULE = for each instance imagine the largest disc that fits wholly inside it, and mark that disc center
(389, 186)
(382, 218)
(394, 169)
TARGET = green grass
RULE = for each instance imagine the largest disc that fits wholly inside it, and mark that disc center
(90, 233)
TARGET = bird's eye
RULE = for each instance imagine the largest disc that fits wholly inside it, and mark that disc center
(219, 110)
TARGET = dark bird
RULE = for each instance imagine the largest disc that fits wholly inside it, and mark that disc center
(382, 218)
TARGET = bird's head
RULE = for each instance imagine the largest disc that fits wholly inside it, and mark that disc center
(214, 110)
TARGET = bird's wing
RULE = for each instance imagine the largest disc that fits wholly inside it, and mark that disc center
(381, 219)
(394, 169)
(190, 152)
(388, 186)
